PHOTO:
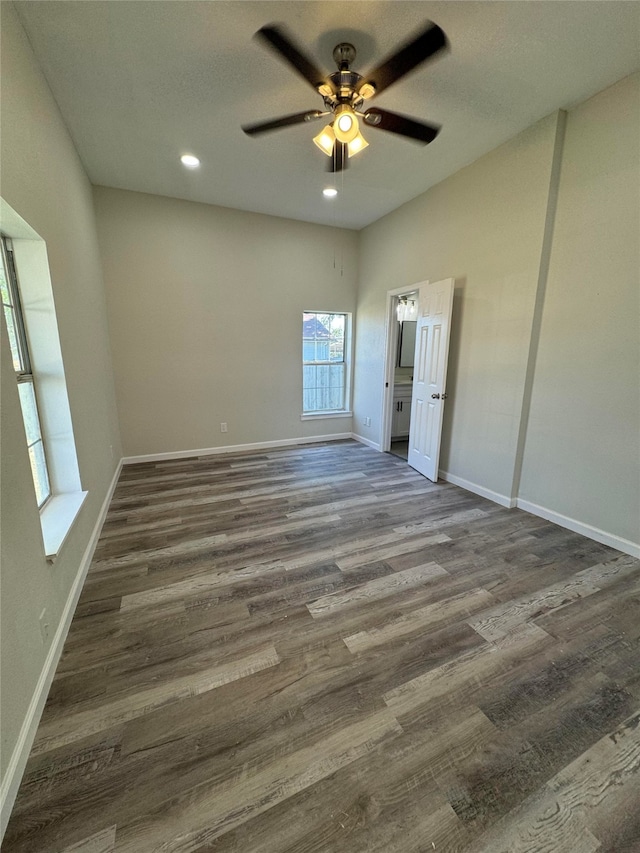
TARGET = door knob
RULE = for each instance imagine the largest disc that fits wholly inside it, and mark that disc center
(435, 396)
(444, 396)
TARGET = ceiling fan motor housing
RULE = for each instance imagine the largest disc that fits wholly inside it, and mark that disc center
(343, 55)
(345, 82)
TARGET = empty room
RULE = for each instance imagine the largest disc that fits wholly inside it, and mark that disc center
(320, 426)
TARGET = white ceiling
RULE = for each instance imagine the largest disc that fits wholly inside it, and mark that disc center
(140, 83)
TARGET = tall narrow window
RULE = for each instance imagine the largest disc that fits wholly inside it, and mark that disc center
(324, 371)
(24, 374)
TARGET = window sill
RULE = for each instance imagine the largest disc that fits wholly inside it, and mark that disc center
(56, 519)
(312, 416)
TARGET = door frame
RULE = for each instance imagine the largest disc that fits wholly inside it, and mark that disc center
(390, 350)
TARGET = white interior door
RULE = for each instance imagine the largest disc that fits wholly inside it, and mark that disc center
(435, 303)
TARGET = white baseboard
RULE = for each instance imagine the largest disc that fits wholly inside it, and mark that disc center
(617, 542)
(496, 497)
(18, 760)
(234, 448)
(367, 441)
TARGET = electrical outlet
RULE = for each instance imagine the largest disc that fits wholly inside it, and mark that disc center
(45, 629)
(223, 427)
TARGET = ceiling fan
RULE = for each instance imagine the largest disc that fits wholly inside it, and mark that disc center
(344, 93)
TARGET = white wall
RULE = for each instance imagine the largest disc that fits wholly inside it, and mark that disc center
(43, 181)
(582, 453)
(564, 401)
(205, 315)
(484, 227)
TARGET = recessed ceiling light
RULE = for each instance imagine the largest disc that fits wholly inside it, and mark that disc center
(329, 192)
(190, 161)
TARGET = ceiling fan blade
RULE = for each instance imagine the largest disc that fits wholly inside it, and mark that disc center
(402, 125)
(277, 39)
(339, 159)
(426, 44)
(283, 121)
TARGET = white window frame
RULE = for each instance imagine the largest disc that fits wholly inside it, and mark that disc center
(24, 373)
(345, 411)
(59, 512)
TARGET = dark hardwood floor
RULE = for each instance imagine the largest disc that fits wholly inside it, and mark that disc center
(316, 649)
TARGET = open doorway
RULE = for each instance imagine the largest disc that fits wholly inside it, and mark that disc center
(415, 373)
(404, 313)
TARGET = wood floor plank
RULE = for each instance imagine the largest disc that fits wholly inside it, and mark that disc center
(144, 554)
(99, 842)
(438, 523)
(316, 650)
(201, 584)
(476, 664)
(423, 618)
(350, 555)
(577, 802)
(530, 749)
(207, 815)
(379, 588)
(74, 727)
(374, 551)
(394, 802)
(504, 618)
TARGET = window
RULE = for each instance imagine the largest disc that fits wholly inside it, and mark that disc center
(30, 314)
(324, 371)
(24, 373)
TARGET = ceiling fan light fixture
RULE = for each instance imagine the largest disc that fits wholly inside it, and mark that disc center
(367, 90)
(346, 124)
(329, 192)
(325, 140)
(344, 92)
(190, 161)
(356, 145)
